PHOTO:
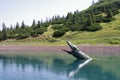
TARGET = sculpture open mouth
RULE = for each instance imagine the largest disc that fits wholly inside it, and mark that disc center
(76, 52)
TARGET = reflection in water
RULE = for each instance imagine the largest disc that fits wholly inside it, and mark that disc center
(95, 72)
(77, 65)
(27, 68)
(21, 62)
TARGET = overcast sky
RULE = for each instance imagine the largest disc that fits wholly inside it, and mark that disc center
(12, 11)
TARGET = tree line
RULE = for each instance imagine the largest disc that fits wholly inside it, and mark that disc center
(23, 31)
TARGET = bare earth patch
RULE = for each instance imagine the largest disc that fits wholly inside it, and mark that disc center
(86, 49)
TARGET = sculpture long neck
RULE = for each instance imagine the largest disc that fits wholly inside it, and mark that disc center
(76, 52)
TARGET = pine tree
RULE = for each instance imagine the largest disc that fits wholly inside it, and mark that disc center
(4, 33)
(34, 23)
(17, 25)
(11, 27)
(93, 17)
(90, 20)
(109, 14)
(23, 25)
(38, 24)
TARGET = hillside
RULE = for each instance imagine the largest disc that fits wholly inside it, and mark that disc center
(99, 24)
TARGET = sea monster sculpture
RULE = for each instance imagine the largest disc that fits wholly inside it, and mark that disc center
(80, 56)
(76, 52)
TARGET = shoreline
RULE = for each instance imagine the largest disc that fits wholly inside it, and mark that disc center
(85, 48)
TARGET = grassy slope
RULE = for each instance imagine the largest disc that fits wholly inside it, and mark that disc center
(110, 34)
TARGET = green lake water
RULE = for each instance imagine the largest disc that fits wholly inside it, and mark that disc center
(17, 65)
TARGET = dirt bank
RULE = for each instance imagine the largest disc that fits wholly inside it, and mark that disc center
(87, 49)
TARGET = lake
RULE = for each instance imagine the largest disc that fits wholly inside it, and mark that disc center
(31, 65)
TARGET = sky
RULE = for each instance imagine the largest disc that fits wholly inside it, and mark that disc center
(13, 11)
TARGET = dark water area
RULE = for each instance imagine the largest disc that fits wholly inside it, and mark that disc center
(56, 66)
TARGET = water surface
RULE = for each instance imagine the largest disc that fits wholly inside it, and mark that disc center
(56, 66)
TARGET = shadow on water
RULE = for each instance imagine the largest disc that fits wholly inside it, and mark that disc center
(91, 71)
